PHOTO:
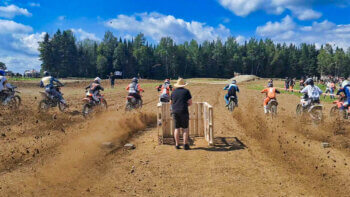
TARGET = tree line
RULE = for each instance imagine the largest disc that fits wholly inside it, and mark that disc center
(64, 56)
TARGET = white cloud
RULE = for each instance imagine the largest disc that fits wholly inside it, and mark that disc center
(81, 34)
(300, 8)
(155, 26)
(19, 62)
(33, 4)
(61, 18)
(275, 28)
(240, 39)
(305, 14)
(27, 42)
(318, 33)
(11, 11)
(18, 46)
(9, 27)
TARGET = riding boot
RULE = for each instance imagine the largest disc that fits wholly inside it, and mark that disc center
(265, 109)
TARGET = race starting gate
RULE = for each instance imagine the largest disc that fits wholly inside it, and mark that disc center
(201, 122)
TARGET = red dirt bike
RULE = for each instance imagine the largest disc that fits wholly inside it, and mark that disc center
(90, 104)
(133, 103)
(336, 110)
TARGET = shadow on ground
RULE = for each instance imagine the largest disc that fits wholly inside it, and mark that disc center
(224, 144)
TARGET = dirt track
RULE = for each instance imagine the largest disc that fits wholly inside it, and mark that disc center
(60, 154)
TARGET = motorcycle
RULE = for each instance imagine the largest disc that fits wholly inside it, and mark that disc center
(272, 107)
(14, 100)
(336, 112)
(314, 109)
(50, 101)
(90, 104)
(232, 103)
(132, 103)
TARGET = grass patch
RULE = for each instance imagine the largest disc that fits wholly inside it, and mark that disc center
(23, 79)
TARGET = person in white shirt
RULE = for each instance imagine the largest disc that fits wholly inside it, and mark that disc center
(311, 92)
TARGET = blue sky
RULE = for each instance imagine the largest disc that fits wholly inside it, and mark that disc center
(22, 22)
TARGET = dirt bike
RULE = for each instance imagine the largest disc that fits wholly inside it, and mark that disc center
(50, 101)
(272, 107)
(14, 101)
(314, 109)
(132, 103)
(232, 103)
(90, 104)
(336, 112)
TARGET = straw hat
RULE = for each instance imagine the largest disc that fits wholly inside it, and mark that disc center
(180, 83)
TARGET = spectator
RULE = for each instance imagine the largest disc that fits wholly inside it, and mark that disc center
(180, 100)
(111, 79)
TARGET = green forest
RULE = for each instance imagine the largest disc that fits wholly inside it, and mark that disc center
(64, 56)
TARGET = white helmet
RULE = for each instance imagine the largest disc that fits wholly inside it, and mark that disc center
(97, 80)
(345, 83)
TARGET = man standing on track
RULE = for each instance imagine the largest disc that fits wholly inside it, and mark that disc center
(180, 100)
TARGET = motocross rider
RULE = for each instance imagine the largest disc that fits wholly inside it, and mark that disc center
(3, 82)
(48, 82)
(311, 93)
(135, 89)
(232, 91)
(345, 88)
(164, 90)
(270, 94)
(94, 89)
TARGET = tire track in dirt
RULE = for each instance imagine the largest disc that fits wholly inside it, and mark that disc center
(280, 143)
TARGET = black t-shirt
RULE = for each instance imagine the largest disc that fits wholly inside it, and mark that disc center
(179, 98)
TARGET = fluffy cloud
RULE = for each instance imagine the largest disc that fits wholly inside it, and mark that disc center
(81, 34)
(11, 11)
(300, 8)
(9, 27)
(155, 26)
(32, 4)
(18, 46)
(318, 33)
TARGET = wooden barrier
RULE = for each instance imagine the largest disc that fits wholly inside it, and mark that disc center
(201, 122)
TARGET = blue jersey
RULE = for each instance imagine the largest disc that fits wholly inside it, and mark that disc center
(230, 86)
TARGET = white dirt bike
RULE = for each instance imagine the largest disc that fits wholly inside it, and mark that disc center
(313, 108)
(272, 107)
(232, 103)
(14, 100)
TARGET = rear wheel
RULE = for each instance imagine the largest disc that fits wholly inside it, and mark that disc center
(273, 110)
(128, 106)
(62, 107)
(104, 105)
(231, 106)
(87, 109)
(334, 112)
(43, 106)
(15, 102)
(299, 110)
(316, 115)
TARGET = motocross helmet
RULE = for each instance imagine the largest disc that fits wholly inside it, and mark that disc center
(234, 82)
(97, 80)
(46, 73)
(2, 73)
(135, 80)
(167, 81)
(309, 81)
(270, 85)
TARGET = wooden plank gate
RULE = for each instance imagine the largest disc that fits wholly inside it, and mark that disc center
(201, 122)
